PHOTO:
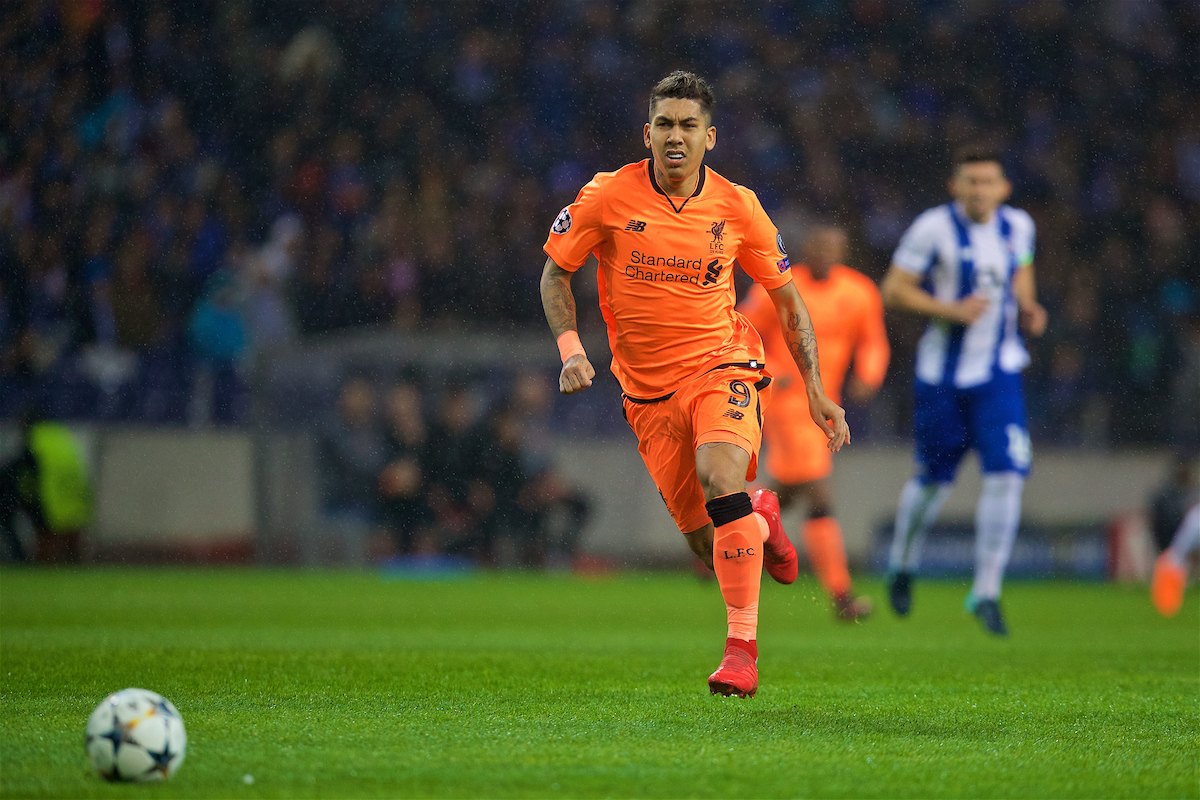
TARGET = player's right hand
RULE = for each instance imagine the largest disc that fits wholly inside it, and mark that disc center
(576, 375)
(1033, 319)
(969, 309)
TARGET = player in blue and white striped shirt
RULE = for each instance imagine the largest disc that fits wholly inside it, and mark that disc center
(968, 266)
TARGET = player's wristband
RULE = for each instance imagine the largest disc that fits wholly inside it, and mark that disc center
(569, 345)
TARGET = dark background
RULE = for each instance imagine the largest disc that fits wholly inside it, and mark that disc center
(185, 186)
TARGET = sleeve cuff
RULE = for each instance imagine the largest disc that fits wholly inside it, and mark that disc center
(561, 260)
(777, 281)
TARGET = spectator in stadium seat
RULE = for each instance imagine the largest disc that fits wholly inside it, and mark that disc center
(47, 297)
(369, 301)
(133, 298)
(266, 273)
(404, 506)
(314, 295)
(461, 497)
(218, 337)
(1066, 391)
(350, 454)
(548, 504)
(514, 532)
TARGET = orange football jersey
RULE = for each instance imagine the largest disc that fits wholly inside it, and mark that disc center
(666, 272)
(847, 318)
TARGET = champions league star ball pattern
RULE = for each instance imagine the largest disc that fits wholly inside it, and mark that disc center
(135, 735)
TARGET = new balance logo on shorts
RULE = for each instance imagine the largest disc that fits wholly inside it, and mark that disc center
(636, 225)
(733, 414)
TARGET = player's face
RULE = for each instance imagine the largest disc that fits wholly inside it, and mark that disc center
(981, 187)
(677, 134)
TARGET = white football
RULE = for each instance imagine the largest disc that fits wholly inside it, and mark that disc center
(135, 735)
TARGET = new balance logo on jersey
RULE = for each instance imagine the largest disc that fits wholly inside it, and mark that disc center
(733, 414)
(636, 225)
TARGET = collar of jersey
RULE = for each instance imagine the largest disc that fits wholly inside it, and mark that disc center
(659, 189)
(958, 209)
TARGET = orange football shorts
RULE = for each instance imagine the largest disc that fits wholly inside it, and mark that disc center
(797, 450)
(724, 405)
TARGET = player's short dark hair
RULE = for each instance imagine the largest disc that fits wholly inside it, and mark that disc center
(680, 85)
(976, 153)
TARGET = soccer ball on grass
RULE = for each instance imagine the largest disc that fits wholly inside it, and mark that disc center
(135, 735)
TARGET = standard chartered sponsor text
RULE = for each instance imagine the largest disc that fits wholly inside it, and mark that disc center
(683, 263)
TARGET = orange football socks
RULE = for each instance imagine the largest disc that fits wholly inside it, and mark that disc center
(738, 560)
(827, 554)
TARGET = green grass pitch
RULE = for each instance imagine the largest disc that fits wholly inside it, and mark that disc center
(351, 685)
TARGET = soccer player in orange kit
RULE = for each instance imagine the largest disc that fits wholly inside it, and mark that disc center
(666, 232)
(847, 316)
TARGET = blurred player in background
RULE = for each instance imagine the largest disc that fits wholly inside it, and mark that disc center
(968, 266)
(1170, 570)
(1175, 523)
(847, 317)
(666, 232)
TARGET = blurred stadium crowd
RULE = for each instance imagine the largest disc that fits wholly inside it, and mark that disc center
(185, 186)
(460, 479)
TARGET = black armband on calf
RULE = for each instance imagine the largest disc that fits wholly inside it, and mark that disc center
(730, 508)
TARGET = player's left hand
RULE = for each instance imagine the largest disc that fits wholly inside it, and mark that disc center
(831, 418)
(1034, 319)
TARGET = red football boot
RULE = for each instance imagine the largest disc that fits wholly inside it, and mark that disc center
(779, 555)
(738, 673)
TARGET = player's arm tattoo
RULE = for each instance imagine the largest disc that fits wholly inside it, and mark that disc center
(557, 299)
(797, 328)
(802, 344)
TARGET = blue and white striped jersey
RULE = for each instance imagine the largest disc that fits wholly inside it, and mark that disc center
(957, 257)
